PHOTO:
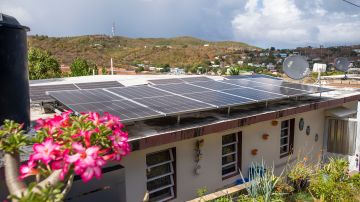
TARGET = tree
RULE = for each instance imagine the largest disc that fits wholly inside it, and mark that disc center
(81, 67)
(234, 71)
(42, 65)
(103, 71)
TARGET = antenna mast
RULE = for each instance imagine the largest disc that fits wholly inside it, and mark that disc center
(113, 30)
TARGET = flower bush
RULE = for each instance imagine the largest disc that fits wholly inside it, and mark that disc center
(66, 145)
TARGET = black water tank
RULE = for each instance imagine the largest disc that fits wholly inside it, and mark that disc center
(14, 75)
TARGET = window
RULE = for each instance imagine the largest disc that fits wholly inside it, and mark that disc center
(160, 175)
(230, 155)
(342, 136)
(287, 137)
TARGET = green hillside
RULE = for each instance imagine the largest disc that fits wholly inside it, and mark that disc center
(178, 51)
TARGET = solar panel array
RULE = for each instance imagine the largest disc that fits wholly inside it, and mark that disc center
(38, 93)
(179, 80)
(251, 76)
(144, 102)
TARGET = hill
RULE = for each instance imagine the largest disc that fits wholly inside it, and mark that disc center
(178, 51)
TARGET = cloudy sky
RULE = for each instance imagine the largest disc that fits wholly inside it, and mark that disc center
(265, 23)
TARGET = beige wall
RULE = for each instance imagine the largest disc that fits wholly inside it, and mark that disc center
(269, 150)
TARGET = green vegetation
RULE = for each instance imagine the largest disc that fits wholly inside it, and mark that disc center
(81, 67)
(42, 64)
(303, 182)
(98, 49)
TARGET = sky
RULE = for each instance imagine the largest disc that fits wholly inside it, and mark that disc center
(263, 23)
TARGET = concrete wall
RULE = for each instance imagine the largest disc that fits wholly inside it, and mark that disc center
(269, 150)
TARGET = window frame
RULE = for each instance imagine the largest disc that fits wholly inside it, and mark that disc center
(290, 137)
(172, 174)
(237, 153)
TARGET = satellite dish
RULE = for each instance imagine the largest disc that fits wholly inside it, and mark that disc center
(296, 67)
(342, 64)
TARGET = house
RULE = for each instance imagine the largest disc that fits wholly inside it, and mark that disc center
(270, 66)
(174, 156)
(283, 55)
(177, 71)
(240, 62)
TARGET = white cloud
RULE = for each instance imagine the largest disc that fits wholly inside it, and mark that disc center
(284, 23)
(21, 14)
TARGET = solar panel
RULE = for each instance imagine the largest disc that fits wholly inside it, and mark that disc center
(179, 80)
(181, 88)
(144, 102)
(94, 85)
(83, 96)
(219, 99)
(254, 94)
(125, 109)
(280, 90)
(196, 79)
(251, 76)
(242, 82)
(215, 85)
(311, 89)
(38, 93)
(173, 104)
(165, 81)
(102, 101)
(134, 92)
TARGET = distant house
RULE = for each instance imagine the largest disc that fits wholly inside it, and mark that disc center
(177, 71)
(270, 66)
(283, 55)
(206, 45)
(250, 64)
(240, 62)
(152, 68)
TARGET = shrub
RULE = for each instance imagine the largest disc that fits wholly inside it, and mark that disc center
(299, 175)
(332, 182)
(262, 184)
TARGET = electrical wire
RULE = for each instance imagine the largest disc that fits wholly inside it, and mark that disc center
(351, 3)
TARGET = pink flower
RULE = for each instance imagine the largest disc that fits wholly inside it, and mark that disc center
(112, 122)
(45, 152)
(28, 170)
(118, 138)
(60, 163)
(95, 117)
(86, 135)
(53, 124)
(87, 161)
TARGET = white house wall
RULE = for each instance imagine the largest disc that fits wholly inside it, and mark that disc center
(210, 177)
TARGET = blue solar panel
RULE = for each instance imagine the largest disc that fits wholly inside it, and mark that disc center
(145, 102)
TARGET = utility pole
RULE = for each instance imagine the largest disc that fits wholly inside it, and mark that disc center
(111, 66)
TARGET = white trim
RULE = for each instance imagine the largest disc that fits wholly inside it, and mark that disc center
(228, 154)
(225, 165)
(159, 164)
(163, 187)
(171, 174)
(235, 162)
(160, 176)
(228, 144)
(287, 144)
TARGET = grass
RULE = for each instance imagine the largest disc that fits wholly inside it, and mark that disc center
(300, 197)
